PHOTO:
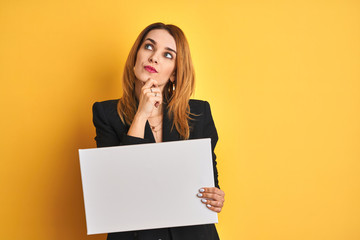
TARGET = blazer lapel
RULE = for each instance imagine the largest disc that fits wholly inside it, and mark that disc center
(168, 134)
(148, 133)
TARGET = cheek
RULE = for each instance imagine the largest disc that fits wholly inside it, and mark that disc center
(138, 67)
(138, 59)
(168, 69)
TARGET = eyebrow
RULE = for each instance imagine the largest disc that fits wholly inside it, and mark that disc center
(154, 42)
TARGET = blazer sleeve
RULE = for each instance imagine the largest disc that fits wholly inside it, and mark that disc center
(209, 131)
(106, 135)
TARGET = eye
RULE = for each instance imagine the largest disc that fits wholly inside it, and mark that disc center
(168, 55)
(148, 46)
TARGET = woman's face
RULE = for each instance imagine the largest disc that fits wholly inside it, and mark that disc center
(156, 57)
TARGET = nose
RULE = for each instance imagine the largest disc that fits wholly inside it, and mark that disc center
(153, 58)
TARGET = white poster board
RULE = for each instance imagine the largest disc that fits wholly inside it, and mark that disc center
(146, 186)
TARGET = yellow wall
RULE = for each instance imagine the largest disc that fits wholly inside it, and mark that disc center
(282, 78)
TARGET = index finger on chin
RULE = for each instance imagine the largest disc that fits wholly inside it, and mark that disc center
(150, 82)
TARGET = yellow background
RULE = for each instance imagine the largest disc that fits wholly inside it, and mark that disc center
(282, 78)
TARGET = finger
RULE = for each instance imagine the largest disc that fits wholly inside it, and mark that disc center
(215, 209)
(145, 91)
(155, 92)
(151, 90)
(155, 89)
(156, 100)
(154, 97)
(150, 82)
(152, 94)
(212, 190)
(213, 203)
(209, 189)
(210, 195)
(157, 104)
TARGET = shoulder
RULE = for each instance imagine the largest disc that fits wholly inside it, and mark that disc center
(108, 106)
(200, 112)
(199, 106)
(201, 120)
(106, 110)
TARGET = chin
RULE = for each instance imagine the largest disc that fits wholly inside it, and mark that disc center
(141, 77)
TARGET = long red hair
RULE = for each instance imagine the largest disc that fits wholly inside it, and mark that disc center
(178, 100)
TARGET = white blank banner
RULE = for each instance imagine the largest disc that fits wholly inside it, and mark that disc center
(146, 186)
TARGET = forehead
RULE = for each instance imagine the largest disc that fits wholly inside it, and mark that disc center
(162, 38)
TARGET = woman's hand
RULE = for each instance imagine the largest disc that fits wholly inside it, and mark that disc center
(213, 198)
(150, 97)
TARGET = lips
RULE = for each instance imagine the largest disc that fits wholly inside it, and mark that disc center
(150, 69)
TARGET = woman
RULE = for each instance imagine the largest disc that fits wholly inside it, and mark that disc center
(156, 107)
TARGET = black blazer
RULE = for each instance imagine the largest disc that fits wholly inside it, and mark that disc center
(110, 131)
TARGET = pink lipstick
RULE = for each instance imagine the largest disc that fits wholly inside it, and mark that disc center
(150, 69)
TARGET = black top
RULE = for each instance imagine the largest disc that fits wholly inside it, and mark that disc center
(110, 131)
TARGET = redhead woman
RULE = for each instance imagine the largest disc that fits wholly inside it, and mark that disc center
(156, 107)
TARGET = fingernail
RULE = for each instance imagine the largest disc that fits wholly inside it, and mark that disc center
(203, 200)
(202, 190)
(208, 205)
(199, 195)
